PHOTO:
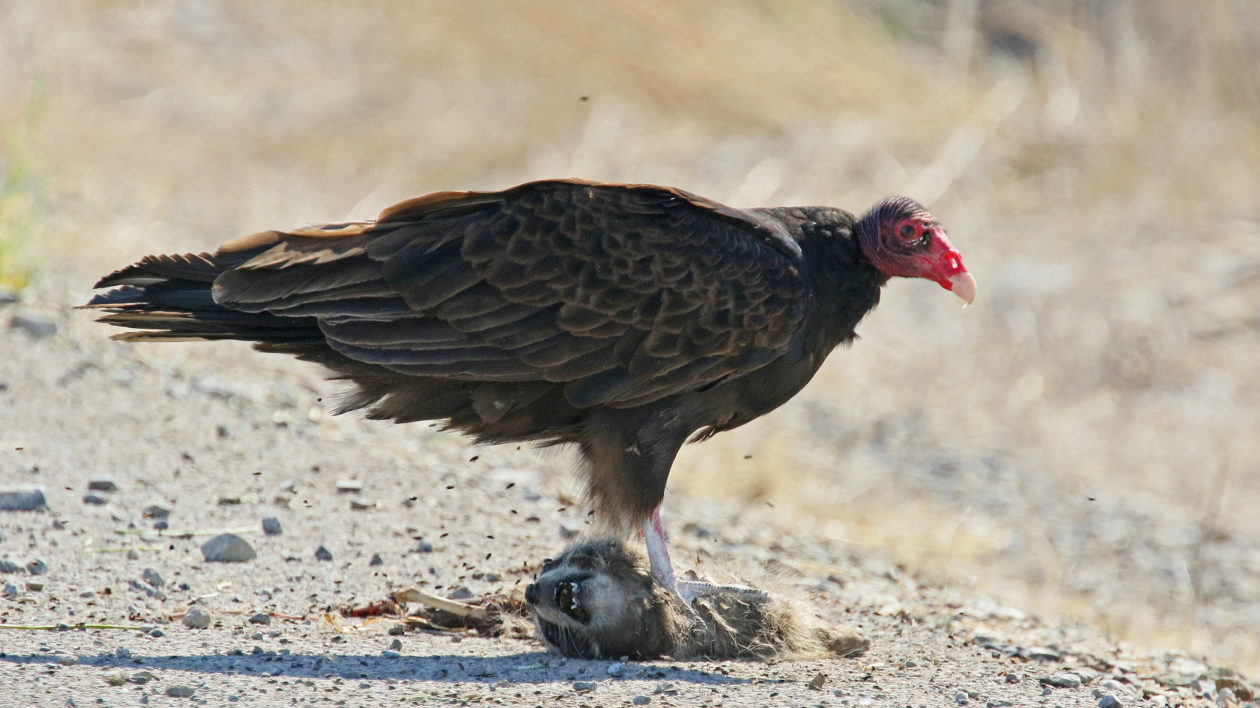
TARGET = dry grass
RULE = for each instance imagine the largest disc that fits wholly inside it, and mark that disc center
(1097, 163)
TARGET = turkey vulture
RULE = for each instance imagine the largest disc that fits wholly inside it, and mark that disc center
(625, 319)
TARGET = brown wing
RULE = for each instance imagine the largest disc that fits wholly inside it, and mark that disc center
(624, 294)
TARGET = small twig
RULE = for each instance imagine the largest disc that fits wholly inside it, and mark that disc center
(124, 549)
(458, 609)
(80, 626)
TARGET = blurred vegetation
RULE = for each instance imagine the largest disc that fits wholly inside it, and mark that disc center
(1080, 443)
(21, 196)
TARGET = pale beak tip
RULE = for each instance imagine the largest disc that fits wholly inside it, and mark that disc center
(964, 286)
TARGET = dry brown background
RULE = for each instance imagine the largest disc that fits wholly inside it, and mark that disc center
(1081, 443)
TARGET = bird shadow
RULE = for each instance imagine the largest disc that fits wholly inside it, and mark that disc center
(525, 667)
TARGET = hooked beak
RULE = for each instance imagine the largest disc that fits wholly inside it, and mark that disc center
(963, 285)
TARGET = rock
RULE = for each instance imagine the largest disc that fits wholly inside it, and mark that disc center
(34, 587)
(584, 686)
(147, 589)
(8, 566)
(376, 560)
(153, 511)
(424, 547)
(641, 700)
(960, 698)
(180, 691)
(197, 618)
(94, 498)
(360, 504)
(67, 660)
(391, 654)
(9, 590)
(228, 548)
(1109, 701)
(271, 526)
(102, 484)
(161, 525)
(1062, 680)
(152, 577)
(157, 632)
(260, 618)
(35, 327)
(396, 645)
(323, 554)
(397, 631)
(37, 567)
(461, 593)
(31, 499)
(616, 669)
(349, 486)
(817, 682)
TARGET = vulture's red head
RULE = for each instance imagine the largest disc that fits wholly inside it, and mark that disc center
(901, 238)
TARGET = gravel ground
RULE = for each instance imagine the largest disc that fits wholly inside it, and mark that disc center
(144, 453)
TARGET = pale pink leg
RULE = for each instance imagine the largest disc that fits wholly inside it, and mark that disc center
(658, 553)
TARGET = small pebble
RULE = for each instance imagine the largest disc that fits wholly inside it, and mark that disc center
(583, 686)
(424, 547)
(271, 526)
(102, 484)
(349, 486)
(180, 691)
(260, 618)
(323, 554)
(376, 560)
(461, 593)
(122, 653)
(396, 645)
(37, 567)
(10, 590)
(93, 498)
(359, 504)
(67, 660)
(36, 327)
(115, 679)
(34, 587)
(391, 654)
(258, 637)
(616, 669)
(154, 511)
(228, 548)
(156, 632)
(197, 618)
(493, 577)
(8, 566)
(23, 500)
(1109, 701)
(641, 700)
(1063, 680)
(960, 698)
(161, 525)
(153, 578)
(397, 631)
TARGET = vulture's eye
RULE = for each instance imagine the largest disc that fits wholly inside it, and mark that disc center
(907, 231)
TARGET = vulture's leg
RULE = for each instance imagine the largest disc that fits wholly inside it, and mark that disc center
(658, 553)
(663, 569)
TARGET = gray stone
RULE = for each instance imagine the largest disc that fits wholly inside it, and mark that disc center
(36, 327)
(376, 560)
(349, 486)
(641, 700)
(323, 554)
(396, 645)
(228, 548)
(271, 526)
(94, 498)
(181, 691)
(8, 566)
(361, 504)
(584, 686)
(153, 511)
(616, 669)
(197, 618)
(1063, 680)
(23, 499)
(102, 484)
(157, 632)
(153, 578)
(1109, 701)
(260, 618)
(37, 567)
(9, 590)
(391, 654)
